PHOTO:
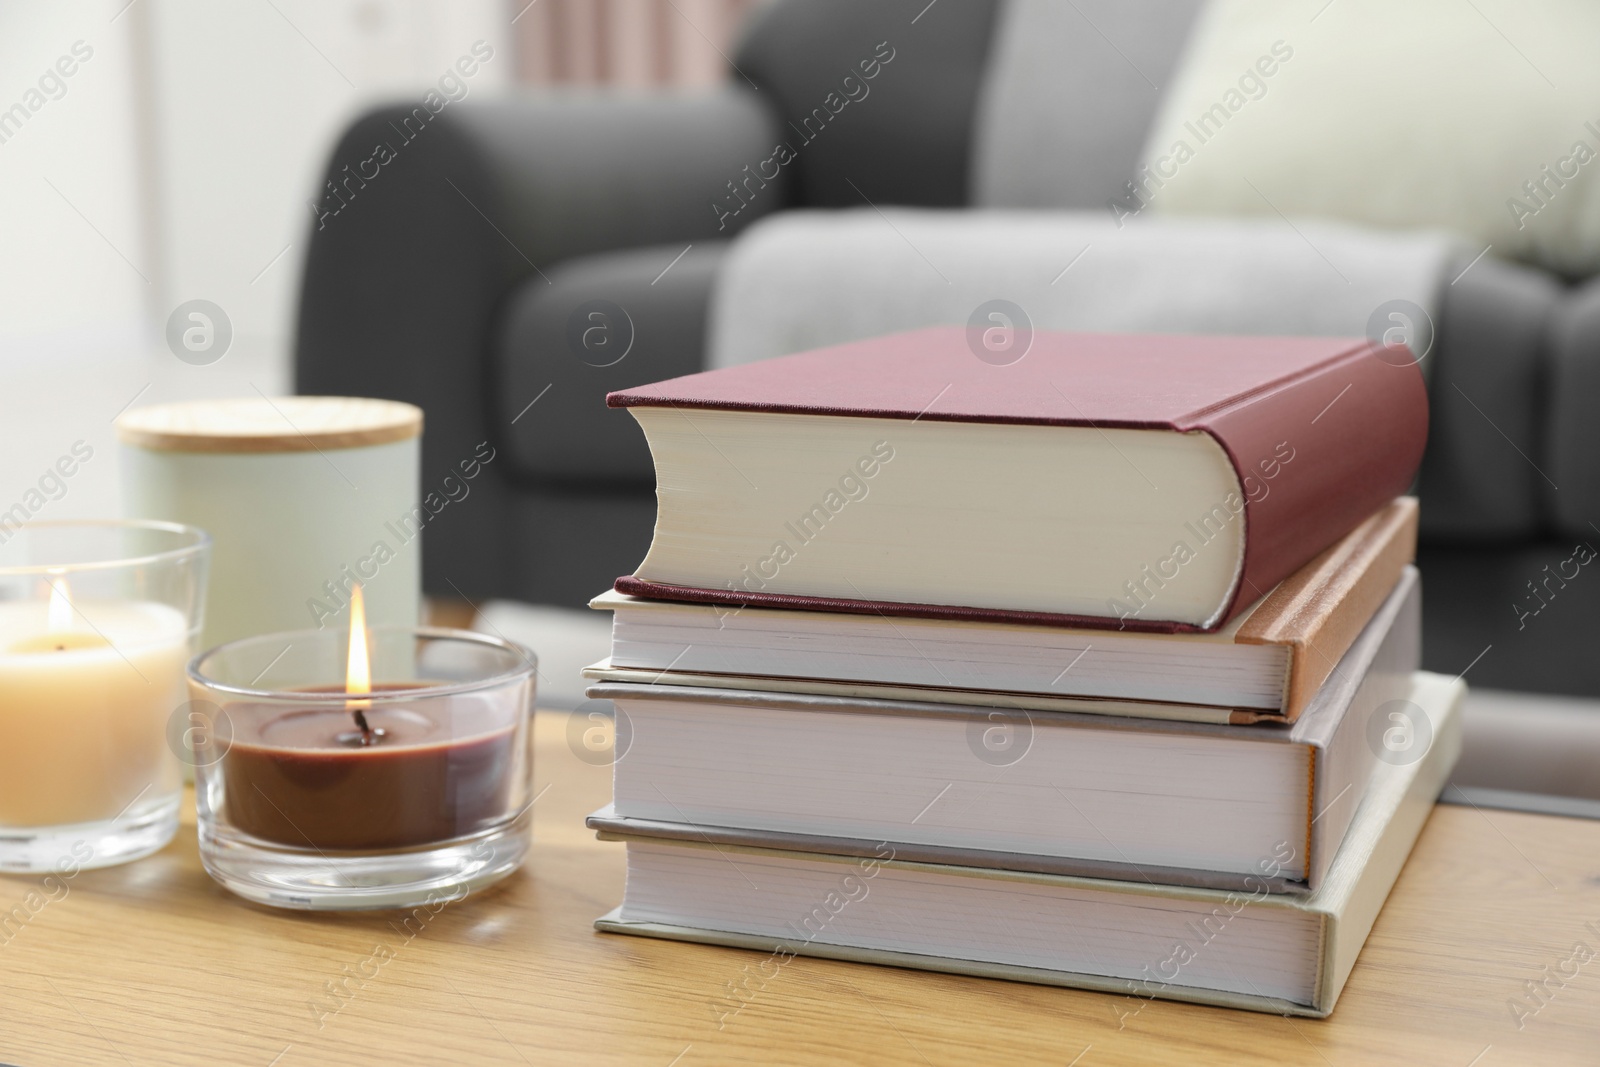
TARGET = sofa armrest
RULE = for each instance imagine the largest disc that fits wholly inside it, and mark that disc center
(429, 220)
(573, 175)
(1481, 478)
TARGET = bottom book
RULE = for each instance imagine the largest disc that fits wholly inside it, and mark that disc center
(1240, 949)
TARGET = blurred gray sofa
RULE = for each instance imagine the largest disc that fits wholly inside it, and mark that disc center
(467, 278)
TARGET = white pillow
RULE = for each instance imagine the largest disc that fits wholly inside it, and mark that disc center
(1477, 116)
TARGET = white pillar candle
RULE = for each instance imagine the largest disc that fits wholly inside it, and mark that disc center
(85, 695)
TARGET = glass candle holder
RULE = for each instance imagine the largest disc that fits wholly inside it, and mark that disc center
(96, 624)
(314, 794)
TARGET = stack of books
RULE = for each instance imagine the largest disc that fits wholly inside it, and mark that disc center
(1098, 669)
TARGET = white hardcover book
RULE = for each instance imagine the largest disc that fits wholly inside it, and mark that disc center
(1246, 948)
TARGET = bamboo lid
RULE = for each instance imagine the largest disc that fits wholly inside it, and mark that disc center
(260, 424)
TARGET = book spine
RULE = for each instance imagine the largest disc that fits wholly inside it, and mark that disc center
(1373, 674)
(1316, 456)
(1321, 610)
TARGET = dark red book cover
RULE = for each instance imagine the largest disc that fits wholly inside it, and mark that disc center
(1355, 415)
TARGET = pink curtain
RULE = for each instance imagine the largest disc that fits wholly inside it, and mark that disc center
(629, 43)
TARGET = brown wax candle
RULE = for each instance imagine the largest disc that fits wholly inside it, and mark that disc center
(301, 776)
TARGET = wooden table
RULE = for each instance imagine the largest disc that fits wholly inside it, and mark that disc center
(154, 964)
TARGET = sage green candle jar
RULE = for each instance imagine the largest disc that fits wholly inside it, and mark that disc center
(303, 497)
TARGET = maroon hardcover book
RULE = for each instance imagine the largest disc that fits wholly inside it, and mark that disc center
(1357, 415)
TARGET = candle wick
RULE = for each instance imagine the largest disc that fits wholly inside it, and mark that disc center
(361, 723)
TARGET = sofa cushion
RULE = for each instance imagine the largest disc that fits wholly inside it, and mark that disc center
(805, 279)
(1069, 96)
(600, 323)
(1482, 118)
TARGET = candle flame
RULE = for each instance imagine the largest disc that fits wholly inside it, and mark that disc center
(59, 615)
(358, 668)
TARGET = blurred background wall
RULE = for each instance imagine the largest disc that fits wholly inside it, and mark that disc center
(178, 159)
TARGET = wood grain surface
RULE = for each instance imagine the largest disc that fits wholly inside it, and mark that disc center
(152, 963)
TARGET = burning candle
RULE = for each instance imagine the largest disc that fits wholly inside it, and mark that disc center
(375, 780)
(89, 678)
(359, 777)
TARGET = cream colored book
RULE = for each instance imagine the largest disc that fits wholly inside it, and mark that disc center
(1242, 949)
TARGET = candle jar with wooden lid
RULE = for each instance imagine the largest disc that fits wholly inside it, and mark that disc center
(304, 496)
(96, 624)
